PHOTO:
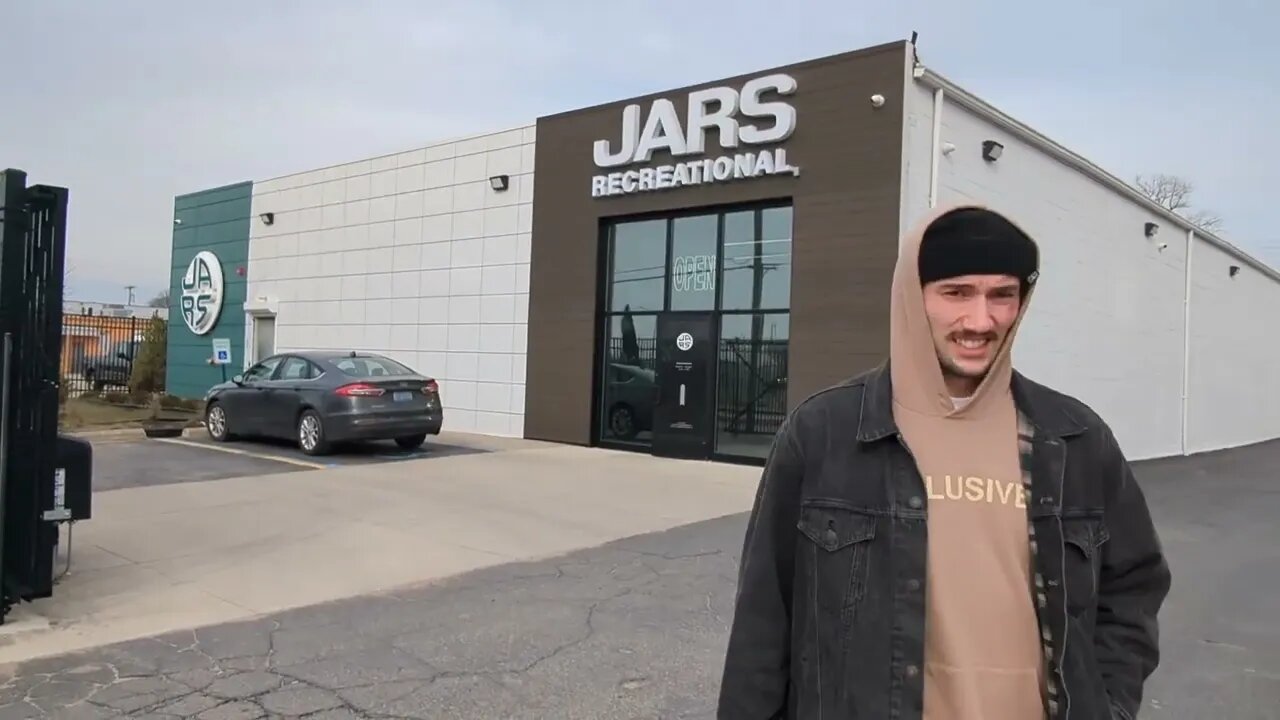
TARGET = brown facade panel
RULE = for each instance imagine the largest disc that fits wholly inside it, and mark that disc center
(844, 235)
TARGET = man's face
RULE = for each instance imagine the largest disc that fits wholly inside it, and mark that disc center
(970, 316)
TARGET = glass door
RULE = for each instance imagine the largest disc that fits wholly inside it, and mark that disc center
(683, 419)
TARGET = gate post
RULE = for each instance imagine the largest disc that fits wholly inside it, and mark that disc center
(32, 245)
(13, 185)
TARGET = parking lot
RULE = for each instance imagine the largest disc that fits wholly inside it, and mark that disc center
(551, 622)
(125, 461)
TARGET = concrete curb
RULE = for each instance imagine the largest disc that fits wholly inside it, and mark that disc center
(122, 432)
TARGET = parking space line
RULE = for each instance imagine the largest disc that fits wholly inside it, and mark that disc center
(246, 453)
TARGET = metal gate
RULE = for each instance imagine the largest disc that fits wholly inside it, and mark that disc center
(33, 223)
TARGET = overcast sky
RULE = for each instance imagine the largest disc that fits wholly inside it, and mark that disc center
(131, 102)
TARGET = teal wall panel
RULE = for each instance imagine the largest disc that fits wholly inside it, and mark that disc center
(216, 220)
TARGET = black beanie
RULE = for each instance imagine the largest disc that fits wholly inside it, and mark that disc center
(973, 241)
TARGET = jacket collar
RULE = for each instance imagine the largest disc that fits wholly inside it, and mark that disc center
(1045, 409)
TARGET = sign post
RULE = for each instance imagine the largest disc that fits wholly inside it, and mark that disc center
(222, 355)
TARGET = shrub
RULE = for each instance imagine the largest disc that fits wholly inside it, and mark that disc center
(149, 365)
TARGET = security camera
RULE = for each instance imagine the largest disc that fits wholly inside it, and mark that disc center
(877, 100)
(1161, 246)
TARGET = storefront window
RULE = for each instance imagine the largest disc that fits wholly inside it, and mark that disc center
(637, 264)
(734, 266)
(757, 260)
(630, 389)
(693, 262)
(751, 399)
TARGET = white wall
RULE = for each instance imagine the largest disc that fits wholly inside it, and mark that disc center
(917, 153)
(1106, 320)
(414, 256)
(1235, 353)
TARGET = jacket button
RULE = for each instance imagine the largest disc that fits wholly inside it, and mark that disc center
(830, 536)
(913, 584)
(912, 671)
(915, 502)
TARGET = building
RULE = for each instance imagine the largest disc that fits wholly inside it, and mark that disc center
(99, 309)
(674, 272)
(98, 334)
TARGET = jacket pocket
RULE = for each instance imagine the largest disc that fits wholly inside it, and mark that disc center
(1085, 687)
(1082, 538)
(838, 546)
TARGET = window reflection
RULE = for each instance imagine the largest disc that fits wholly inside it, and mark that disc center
(757, 261)
(693, 262)
(630, 387)
(637, 264)
(751, 398)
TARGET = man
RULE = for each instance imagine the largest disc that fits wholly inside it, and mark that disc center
(942, 537)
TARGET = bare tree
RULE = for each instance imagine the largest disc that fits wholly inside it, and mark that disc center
(161, 300)
(1174, 193)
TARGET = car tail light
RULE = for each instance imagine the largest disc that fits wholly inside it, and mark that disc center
(360, 390)
(431, 387)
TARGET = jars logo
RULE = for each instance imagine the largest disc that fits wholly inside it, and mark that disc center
(202, 290)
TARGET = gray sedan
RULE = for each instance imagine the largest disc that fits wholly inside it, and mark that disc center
(319, 399)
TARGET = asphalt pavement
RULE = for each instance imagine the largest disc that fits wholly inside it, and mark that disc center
(359, 453)
(119, 464)
(136, 461)
(637, 628)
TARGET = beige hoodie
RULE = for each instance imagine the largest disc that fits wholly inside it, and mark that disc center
(982, 649)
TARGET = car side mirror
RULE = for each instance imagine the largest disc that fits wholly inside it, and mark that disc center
(238, 379)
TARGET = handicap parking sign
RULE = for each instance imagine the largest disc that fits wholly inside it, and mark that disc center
(221, 351)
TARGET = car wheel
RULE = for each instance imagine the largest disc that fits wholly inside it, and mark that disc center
(411, 442)
(622, 422)
(215, 422)
(311, 434)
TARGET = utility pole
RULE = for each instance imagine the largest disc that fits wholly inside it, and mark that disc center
(130, 289)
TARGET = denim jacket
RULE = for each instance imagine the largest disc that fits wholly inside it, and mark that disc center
(830, 612)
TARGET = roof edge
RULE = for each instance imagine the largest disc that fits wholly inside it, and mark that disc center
(1078, 162)
(884, 47)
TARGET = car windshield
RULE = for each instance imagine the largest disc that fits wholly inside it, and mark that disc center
(364, 367)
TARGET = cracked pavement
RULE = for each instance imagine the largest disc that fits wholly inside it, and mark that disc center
(636, 630)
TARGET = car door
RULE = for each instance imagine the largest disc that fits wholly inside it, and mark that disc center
(246, 402)
(284, 396)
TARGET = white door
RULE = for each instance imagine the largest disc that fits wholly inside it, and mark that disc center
(264, 337)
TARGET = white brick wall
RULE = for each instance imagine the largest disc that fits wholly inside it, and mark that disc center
(1235, 352)
(414, 256)
(1107, 320)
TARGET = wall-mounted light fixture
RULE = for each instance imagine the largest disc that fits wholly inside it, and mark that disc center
(991, 150)
(1150, 229)
(948, 148)
(500, 182)
(268, 218)
(1233, 270)
(177, 221)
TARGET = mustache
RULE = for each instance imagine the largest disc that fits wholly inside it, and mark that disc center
(957, 336)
